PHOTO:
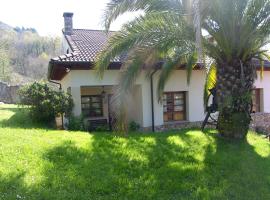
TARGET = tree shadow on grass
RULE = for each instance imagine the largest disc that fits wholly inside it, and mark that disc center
(20, 119)
(236, 170)
(160, 166)
(12, 186)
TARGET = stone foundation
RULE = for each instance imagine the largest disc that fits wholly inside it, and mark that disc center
(260, 122)
(174, 126)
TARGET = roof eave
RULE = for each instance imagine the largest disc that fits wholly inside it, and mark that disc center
(63, 67)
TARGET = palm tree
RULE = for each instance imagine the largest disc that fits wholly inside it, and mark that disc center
(238, 29)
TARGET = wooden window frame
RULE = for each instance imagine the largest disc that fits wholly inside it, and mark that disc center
(257, 104)
(173, 105)
(91, 102)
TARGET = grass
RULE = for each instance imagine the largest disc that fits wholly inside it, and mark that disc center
(39, 163)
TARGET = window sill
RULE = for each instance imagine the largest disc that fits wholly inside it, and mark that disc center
(95, 118)
(176, 122)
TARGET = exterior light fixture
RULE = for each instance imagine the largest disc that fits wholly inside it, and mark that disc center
(103, 93)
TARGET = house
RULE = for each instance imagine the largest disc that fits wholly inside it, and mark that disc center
(182, 103)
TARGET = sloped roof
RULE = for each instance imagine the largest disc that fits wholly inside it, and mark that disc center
(257, 63)
(85, 45)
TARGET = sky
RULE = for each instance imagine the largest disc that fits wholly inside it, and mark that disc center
(46, 16)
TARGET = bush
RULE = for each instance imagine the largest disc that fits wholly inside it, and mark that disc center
(102, 128)
(45, 102)
(76, 123)
(133, 126)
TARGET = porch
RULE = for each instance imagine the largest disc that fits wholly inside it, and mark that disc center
(94, 104)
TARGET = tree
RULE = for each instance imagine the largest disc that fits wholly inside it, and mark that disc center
(25, 54)
(4, 64)
(238, 29)
(45, 102)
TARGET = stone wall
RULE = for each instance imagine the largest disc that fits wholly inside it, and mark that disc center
(260, 122)
(175, 126)
(8, 93)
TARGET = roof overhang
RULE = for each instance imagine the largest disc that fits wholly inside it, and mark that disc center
(58, 69)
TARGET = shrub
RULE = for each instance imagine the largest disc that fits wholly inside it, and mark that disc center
(133, 126)
(102, 128)
(76, 123)
(45, 102)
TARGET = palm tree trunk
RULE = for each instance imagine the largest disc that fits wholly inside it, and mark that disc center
(234, 88)
(193, 11)
(198, 28)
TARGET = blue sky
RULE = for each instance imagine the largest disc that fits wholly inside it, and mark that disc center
(46, 16)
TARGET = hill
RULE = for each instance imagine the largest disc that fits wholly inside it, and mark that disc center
(24, 54)
(4, 26)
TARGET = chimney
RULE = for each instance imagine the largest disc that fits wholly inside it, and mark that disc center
(68, 28)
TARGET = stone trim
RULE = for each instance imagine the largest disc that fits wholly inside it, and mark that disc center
(175, 126)
(260, 122)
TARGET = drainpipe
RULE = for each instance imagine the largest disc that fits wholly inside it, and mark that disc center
(152, 100)
(60, 88)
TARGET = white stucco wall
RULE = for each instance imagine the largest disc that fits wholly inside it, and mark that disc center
(176, 83)
(140, 105)
(134, 105)
(264, 84)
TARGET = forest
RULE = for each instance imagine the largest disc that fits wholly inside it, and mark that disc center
(24, 54)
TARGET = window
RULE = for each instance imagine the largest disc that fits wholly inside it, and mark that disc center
(92, 106)
(256, 100)
(174, 104)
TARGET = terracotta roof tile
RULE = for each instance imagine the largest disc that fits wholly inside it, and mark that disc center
(85, 45)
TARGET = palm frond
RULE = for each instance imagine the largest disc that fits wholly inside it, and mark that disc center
(121, 92)
(166, 71)
(211, 80)
(262, 56)
(238, 27)
(160, 31)
(115, 8)
(130, 72)
(238, 30)
(198, 29)
(267, 56)
(191, 63)
(262, 68)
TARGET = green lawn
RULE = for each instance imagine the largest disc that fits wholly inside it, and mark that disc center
(39, 163)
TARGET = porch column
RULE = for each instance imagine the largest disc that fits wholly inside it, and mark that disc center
(76, 96)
